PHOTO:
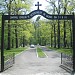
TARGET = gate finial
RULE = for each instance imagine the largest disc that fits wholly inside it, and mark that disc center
(38, 5)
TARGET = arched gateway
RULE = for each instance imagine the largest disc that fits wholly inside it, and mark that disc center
(29, 16)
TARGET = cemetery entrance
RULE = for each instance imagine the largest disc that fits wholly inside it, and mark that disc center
(65, 59)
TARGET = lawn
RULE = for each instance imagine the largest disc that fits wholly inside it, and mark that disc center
(41, 54)
(14, 50)
(62, 50)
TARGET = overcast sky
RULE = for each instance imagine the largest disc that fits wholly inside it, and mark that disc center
(43, 7)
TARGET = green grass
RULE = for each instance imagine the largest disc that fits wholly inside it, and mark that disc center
(41, 54)
(14, 50)
(63, 50)
(9, 53)
(66, 51)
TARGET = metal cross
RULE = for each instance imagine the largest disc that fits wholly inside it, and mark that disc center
(38, 5)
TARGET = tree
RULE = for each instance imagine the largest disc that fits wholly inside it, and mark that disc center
(65, 24)
(67, 7)
(14, 7)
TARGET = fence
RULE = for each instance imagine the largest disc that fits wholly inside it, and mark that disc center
(67, 61)
(9, 60)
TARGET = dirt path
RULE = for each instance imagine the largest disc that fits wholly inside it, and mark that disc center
(27, 63)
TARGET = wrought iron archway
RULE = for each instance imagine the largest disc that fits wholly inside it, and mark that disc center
(29, 16)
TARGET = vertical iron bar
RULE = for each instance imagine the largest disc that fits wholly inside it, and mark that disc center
(61, 58)
(73, 28)
(13, 58)
(2, 44)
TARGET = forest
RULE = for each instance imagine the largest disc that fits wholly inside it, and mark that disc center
(53, 33)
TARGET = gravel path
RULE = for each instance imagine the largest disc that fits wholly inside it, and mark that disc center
(27, 63)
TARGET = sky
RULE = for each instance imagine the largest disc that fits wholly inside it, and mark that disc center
(43, 7)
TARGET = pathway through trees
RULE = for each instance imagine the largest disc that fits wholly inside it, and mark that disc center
(27, 63)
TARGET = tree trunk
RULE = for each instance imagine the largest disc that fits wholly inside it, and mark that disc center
(51, 39)
(54, 37)
(65, 27)
(23, 41)
(71, 35)
(16, 35)
(58, 34)
(12, 43)
(64, 35)
(9, 34)
(58, 40)
(54, 29)
(9, 28)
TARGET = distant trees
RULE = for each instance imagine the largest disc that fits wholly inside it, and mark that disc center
(44, 32)
(13, 7)
(64, 31)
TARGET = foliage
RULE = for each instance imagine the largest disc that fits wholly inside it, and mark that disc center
(13, 28)
(62, 50)
(41, 31)
(14, 50)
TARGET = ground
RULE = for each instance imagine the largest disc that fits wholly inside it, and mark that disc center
(27, 63)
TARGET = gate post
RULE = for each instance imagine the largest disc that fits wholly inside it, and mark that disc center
(2, 45)
(73, 28)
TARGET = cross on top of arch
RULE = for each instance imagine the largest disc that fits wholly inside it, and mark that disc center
(38, 5)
